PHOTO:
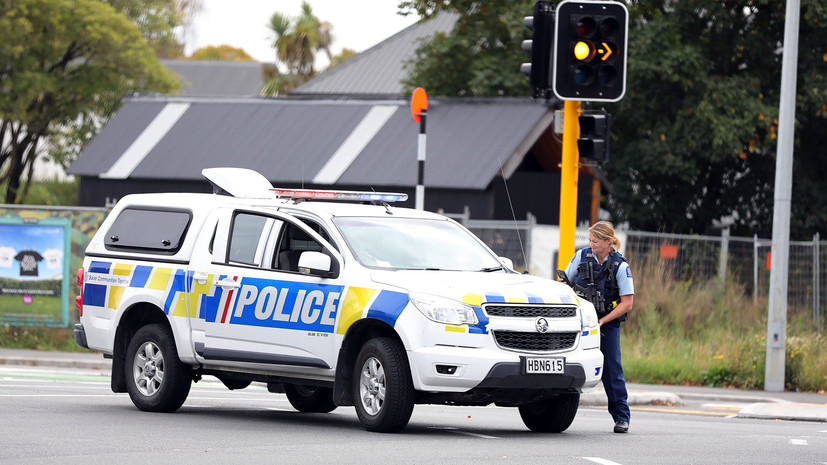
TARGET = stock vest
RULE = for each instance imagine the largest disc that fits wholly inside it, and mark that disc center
(605, 276)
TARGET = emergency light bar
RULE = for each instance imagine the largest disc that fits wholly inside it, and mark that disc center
(310, 194)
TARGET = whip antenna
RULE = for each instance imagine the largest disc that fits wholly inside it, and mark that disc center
(513, 215)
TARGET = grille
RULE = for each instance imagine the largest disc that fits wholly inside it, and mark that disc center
(518, 340)
(530, 311)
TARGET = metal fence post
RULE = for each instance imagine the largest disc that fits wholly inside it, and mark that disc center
(755, 267)
(816, 283)
(531, 221)
(722, 260)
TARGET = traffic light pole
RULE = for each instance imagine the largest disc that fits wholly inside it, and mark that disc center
(568, 182)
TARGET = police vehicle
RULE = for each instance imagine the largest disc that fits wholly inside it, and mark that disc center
(333, 303)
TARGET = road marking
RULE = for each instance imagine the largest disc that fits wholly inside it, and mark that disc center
(731, 407)
(600, 461)
(674, 410)
(466, 433)
(59, 395)
(798, 442)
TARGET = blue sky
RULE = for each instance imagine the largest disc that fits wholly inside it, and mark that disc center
(243, 23)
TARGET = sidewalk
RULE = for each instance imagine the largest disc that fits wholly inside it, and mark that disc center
(801, 406)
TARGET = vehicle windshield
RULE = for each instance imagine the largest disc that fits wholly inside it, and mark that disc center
(413, 243)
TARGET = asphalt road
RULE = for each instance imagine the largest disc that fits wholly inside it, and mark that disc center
(68, 416)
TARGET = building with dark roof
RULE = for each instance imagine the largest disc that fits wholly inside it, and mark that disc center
(215, 78)
(348, 128)
(379, 70)
(157, 144)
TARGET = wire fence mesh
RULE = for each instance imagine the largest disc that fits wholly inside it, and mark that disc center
(695, 259)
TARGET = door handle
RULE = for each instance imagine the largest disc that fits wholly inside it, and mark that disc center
(200, 277)
(227, 284)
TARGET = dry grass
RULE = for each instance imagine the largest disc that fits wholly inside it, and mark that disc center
(700, 333)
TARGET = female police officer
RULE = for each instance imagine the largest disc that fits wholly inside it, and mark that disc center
(601, 265)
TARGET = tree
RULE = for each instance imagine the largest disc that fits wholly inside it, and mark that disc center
(694, 138)
(61, 63)
(220, 53)
(481, 56)
(344, 55)
(297, 40)
(163, 23)
(695, 135)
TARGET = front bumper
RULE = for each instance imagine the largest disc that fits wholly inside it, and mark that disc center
(486, 368)
(511, 376)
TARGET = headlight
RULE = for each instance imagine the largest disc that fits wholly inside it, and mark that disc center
(442, 310)
(588, 314)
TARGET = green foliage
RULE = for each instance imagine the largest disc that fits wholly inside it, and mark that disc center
(53, 193)
(62, 63)
(39, 338)
(481, 56)
(297, 40)
(705, 335)
(695, 135)
(220, 53)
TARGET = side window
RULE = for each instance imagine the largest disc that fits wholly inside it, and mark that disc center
(248, 237)
(293, 242)
(321, 230)
(149, 230)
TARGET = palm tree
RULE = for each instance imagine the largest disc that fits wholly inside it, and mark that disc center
(296, 42)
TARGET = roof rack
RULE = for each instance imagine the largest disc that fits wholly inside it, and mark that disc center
(352, 196)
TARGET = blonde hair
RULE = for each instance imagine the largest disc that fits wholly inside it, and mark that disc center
(605, 230)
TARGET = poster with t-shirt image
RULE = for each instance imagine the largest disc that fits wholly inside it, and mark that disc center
(34, 271)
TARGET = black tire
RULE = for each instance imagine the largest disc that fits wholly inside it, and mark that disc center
(551, 415)
(383, 392)
(156, 379)
(310, 399)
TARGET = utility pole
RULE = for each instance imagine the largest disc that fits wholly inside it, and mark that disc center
(777, 312)
(568, 182)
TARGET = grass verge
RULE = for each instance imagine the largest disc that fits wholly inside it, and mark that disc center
(713, 335)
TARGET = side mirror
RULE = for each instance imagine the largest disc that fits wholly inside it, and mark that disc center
(316, 264)
(507, 262)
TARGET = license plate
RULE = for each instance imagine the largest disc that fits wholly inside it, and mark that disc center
(544, 365)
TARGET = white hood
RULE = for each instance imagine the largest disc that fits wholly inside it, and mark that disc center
(476, 287)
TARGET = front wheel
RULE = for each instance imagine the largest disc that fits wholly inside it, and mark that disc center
(383, 392)
(311, 399)
(551, 415)
(157, 380)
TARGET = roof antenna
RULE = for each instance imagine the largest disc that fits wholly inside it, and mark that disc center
(513, 215)
(383, 203)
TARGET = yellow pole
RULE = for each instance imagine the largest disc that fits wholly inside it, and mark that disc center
(568, 182)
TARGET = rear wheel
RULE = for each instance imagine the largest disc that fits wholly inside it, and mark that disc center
(551, 415)
(157, 381)
(311, 399)
(383, 392)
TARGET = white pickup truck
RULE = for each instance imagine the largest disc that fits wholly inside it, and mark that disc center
(329, 300)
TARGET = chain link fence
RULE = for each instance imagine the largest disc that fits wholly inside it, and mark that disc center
(695, 258)
(511, 239)
(742, 259)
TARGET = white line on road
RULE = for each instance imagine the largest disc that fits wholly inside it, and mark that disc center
(466, 433)
(59, 395)
(798, 442)
(600, 461)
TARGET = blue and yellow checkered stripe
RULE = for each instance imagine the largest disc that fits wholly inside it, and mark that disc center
(172, 280)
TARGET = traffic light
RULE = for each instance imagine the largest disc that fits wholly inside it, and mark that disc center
(590, 51)
(541, 26)
(595, 135)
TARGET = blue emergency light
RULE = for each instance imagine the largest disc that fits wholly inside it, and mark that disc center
(353, 196)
